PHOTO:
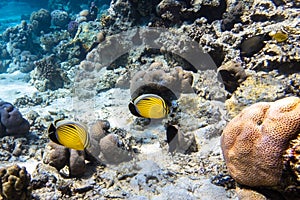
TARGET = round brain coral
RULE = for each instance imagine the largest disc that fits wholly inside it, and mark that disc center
(254, 142)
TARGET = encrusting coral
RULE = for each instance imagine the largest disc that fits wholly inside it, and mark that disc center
(11, 121)
(254, 142)
(15, 183)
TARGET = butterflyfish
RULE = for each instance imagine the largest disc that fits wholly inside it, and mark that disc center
(149, 106)
(70, 134)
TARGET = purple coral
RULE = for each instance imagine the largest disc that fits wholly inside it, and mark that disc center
(73, 27)
(12, 122)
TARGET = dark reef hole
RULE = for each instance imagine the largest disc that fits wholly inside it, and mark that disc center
(218, 55)
(212, 13)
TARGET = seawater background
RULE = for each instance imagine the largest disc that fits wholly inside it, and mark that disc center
(12, 12)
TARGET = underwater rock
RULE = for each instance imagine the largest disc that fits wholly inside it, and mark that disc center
(169, 10)
(232, 74)
(60, 18)
(179, 140)
(233, 15)
(256, 88)
(120, 16)
(254, 142)
(40, 21)
(99, 129)
(15, 183)
(112, 150)
(87, 34)
(59, 156)
(77, 163)
(176, 79)
(12, 122)
(209, 85)
(105, 147)
(24, 62)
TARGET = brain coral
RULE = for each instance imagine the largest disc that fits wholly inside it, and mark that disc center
(253, 143)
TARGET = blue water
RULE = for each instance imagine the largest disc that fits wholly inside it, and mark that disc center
(12, 12)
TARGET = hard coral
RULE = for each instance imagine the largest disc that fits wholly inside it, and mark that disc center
(253, 143)
(41, 21)
(47, 74)
(11, 121)
(60, 18)
(15, 183)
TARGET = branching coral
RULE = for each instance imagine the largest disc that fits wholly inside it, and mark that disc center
(15, 183)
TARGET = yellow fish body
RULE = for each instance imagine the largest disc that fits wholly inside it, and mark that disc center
(149, 106)
(69, 134)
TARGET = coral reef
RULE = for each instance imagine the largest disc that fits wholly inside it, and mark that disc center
(176, 79)
(256, 88)
(292, 158)
(50, 40)
(15, 183)
(60, 18)
(72, 28)
(254, 142)
(18, 38)
(12, 122)
(194, 48)
(47, 75)
(233, 74)
(40, 21)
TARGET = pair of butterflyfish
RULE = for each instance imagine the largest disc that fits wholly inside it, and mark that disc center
(70, 134)
(151, 106)
(74, 135)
